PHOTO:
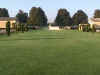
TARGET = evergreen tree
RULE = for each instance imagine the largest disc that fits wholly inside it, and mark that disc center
(37, 17)
(80, 17)
(8, 28)
(63, 18)
(97, 13)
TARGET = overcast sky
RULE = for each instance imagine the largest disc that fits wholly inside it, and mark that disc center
(51, 6)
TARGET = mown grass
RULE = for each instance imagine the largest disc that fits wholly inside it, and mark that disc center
(44, 52)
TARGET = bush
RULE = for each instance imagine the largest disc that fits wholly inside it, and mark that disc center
(86, 28)
(26, 27)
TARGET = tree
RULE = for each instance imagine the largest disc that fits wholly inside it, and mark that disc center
(22, 28)
(8, 28)
(26, 27)
(22, 16)
(32, 15)
(37, 17)
(63, 18)
(97, 13)
(80, 17)
(4, 12)
(22, 19)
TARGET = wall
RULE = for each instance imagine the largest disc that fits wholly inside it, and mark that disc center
(54, 28)
(3, 23)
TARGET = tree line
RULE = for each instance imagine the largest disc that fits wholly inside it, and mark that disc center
(37, 17)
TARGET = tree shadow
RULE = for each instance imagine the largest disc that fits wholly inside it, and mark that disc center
(32, 39)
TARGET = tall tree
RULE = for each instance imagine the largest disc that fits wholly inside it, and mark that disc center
(4, 12)
(22, 19)
(97, 13)
(80, 17)
(37, 17)
(63, 18)
(22, 16)
(32, 15)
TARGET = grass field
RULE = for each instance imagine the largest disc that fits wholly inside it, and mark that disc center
(50, 53)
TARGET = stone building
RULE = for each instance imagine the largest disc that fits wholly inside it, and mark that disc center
(4, 20)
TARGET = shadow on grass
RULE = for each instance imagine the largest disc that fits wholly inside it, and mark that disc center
(32, 39)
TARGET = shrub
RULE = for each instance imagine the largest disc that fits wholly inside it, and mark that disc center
(8, 28)
(86, 28)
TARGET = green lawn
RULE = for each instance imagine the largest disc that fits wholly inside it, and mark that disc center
(50, 53)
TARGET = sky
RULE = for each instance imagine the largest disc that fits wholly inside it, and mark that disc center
(51, 6)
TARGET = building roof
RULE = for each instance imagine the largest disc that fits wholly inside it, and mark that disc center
(95, 19)
(7, 18)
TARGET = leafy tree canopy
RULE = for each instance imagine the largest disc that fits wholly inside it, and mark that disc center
(63, 18)
(4, 12)
(22, 16)
(37, 17)
(80, 17)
